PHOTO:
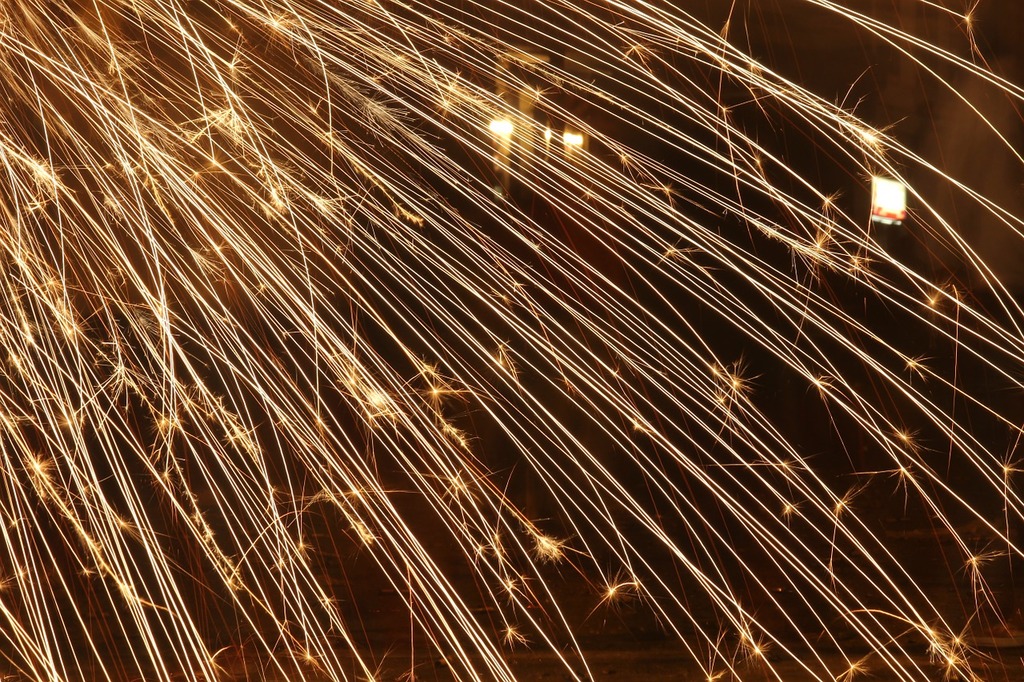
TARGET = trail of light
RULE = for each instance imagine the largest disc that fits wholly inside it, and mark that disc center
(279, 355)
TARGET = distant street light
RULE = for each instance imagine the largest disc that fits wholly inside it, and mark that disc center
(502, 127)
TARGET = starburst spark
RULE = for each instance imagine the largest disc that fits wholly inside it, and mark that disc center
(452, 310)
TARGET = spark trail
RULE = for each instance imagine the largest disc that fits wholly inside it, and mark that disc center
(533, 327)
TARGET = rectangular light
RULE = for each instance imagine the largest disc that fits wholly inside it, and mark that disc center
(570, 139)
(888, 201)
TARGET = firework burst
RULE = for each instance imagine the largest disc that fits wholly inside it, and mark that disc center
(378, 339)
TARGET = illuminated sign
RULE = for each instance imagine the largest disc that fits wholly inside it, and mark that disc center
(888, 201)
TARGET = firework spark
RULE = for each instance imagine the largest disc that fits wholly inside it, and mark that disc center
(528, 328)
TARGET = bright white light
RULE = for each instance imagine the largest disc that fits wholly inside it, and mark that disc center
(502, 127)
(570, 139)
(888, 201)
